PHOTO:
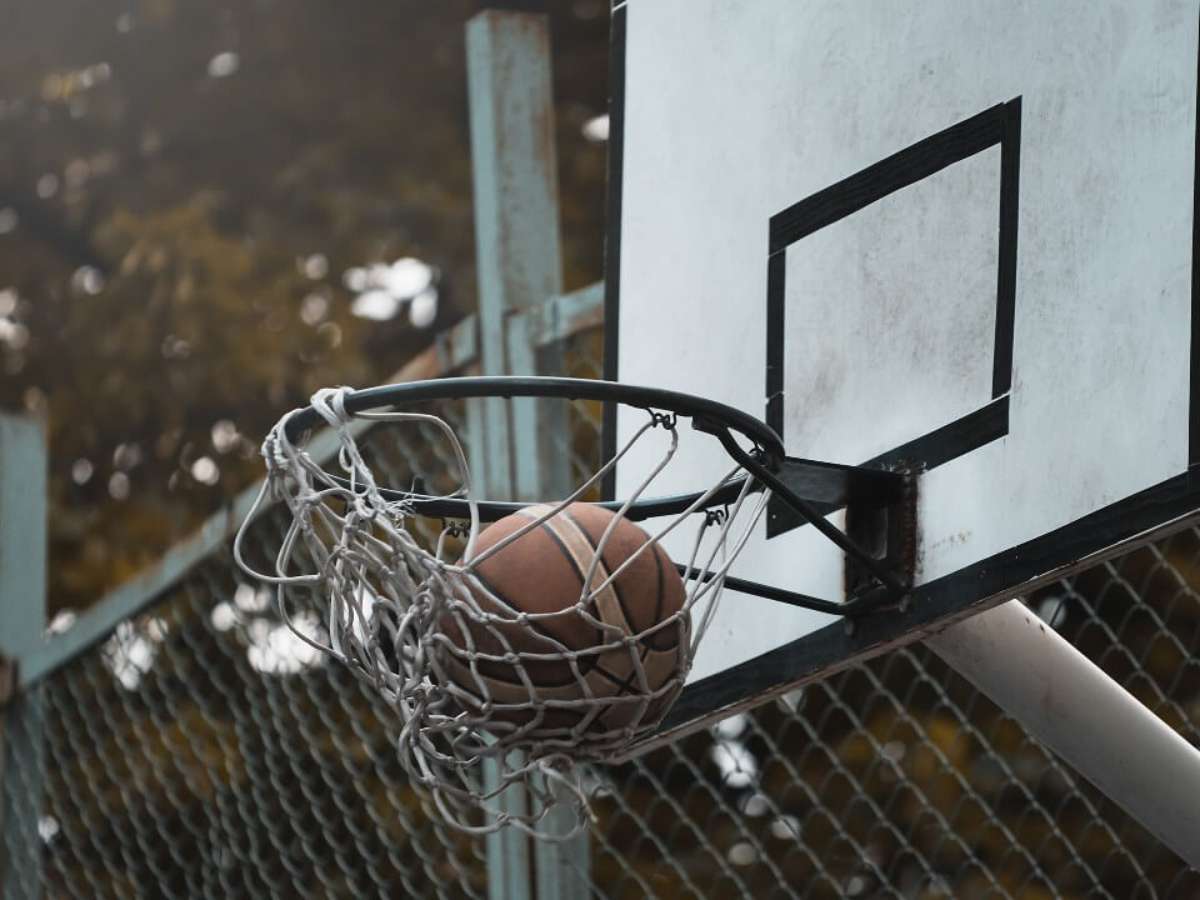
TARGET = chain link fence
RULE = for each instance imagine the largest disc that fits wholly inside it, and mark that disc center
(200, 750)
(897, 778)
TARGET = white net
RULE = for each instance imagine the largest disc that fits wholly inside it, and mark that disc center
(512, 654)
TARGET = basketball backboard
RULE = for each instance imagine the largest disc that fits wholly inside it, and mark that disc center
(947, 232)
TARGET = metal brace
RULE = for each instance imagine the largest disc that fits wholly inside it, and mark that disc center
(880, 536)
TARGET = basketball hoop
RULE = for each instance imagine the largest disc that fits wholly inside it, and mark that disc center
(484, 664)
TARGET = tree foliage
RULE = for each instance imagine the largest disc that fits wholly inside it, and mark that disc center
(183, 187)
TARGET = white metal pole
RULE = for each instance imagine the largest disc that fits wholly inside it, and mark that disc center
(1069, 704)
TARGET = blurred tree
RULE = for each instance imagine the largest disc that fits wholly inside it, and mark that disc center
(190, 195)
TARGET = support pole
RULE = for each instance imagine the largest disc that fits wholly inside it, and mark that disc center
(22, 626)
(518, 448)
(1076, 710)
(519, 267)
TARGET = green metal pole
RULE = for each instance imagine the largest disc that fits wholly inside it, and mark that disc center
(519, 448)
(22, 626)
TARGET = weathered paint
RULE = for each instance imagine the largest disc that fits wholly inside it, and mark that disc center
(517, 244)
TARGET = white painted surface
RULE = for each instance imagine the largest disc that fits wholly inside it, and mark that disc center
(735, 111)
(891, 316)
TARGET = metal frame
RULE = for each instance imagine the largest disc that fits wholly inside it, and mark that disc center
(810, 489)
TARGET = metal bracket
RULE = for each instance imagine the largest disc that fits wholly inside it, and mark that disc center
(880, 536)
(831, 486)
(888, 531)
(880, 529)
(880, 509)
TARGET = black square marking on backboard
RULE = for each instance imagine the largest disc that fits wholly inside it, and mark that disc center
(999, 125)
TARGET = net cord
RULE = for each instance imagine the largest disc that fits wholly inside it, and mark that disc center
(390, 603)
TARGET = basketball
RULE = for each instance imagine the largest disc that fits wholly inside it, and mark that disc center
(542, 572)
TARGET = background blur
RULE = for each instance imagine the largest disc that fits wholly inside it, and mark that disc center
(208, 210)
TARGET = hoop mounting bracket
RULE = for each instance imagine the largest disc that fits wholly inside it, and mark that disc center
(880, 533)
(879, 540)
(880, 524)
(832, 486)
(880, 509)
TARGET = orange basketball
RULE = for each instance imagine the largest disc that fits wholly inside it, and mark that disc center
(543, 571)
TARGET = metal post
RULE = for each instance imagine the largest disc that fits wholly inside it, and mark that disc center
(22, 626)
(1071, 706)
(516, 243)
(517, 447)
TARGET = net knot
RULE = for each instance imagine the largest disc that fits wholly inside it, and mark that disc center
(716, 516)
(665, 420)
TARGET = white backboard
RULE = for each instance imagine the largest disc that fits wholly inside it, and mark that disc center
(952, 231)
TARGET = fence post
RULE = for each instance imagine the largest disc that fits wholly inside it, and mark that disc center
(22, 626)
(517, 446)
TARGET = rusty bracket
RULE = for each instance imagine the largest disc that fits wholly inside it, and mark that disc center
(887, 531)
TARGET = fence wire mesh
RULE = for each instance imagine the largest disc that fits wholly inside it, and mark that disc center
(200, 750)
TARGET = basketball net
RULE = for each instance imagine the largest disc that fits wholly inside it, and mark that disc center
(389, 598)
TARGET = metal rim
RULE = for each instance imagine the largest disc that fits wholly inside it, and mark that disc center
(700, 410)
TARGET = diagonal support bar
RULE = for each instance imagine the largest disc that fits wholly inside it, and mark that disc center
(1077, 710)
